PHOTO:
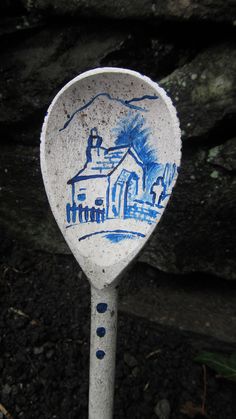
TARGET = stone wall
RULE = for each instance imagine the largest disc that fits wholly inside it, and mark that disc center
(188, 47)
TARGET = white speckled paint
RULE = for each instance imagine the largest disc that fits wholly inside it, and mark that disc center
(106, 218)
(102, 371)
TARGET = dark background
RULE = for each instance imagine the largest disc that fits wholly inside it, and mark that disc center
(181, 291)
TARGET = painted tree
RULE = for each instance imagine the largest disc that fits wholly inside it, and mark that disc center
(131, 131)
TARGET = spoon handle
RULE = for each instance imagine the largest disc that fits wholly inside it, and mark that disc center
(102, 352)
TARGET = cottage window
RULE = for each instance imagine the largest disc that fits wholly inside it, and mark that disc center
(98, 201)
(81, 196)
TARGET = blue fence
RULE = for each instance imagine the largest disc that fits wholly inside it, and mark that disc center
(141, 212)
(78, 213)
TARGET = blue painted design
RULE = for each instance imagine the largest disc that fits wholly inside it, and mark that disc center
(101, 331)
(131, 131)
(71, 225)
(118, 237)
(98, 201)
(81, 197)
(127, 103)
(100, 354)
(164, 183)
(131, 182)
(84, 214)
(102, 307)
(119, 232)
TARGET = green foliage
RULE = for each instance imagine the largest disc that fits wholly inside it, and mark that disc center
(224, 365)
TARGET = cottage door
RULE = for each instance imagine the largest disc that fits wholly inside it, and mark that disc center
(131, 192)
(117, 206)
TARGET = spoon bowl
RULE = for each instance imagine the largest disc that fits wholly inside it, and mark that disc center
(110, 152)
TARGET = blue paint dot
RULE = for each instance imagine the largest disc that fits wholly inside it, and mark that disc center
(101, 307)
(100, 354)
(101, 331)
(98, 201)
(81, 197)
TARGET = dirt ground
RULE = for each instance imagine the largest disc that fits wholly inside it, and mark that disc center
(44, 350)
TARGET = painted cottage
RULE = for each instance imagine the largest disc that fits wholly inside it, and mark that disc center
(108, 185)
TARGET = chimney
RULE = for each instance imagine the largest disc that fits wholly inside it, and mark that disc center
(94, 144)
(94, 137)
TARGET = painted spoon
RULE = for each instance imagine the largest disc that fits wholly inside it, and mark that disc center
(110, 152)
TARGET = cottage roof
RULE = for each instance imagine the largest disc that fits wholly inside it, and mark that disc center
(105, 163)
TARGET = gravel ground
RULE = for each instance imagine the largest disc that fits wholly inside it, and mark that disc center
(44, 351)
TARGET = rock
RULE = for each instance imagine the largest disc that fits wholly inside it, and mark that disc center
(195, 232)
(14, 390)
(11, 6)
(14, 25)
(38, 350)
(211, 10)
(224, 155)
(6, 390)
(162, 409)
(42, 68)
(34, 70)
(172, 301)
(135, 371)
(130, 360)
(27, 214)
(204, 90)
(155, 56)
(49, 354)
